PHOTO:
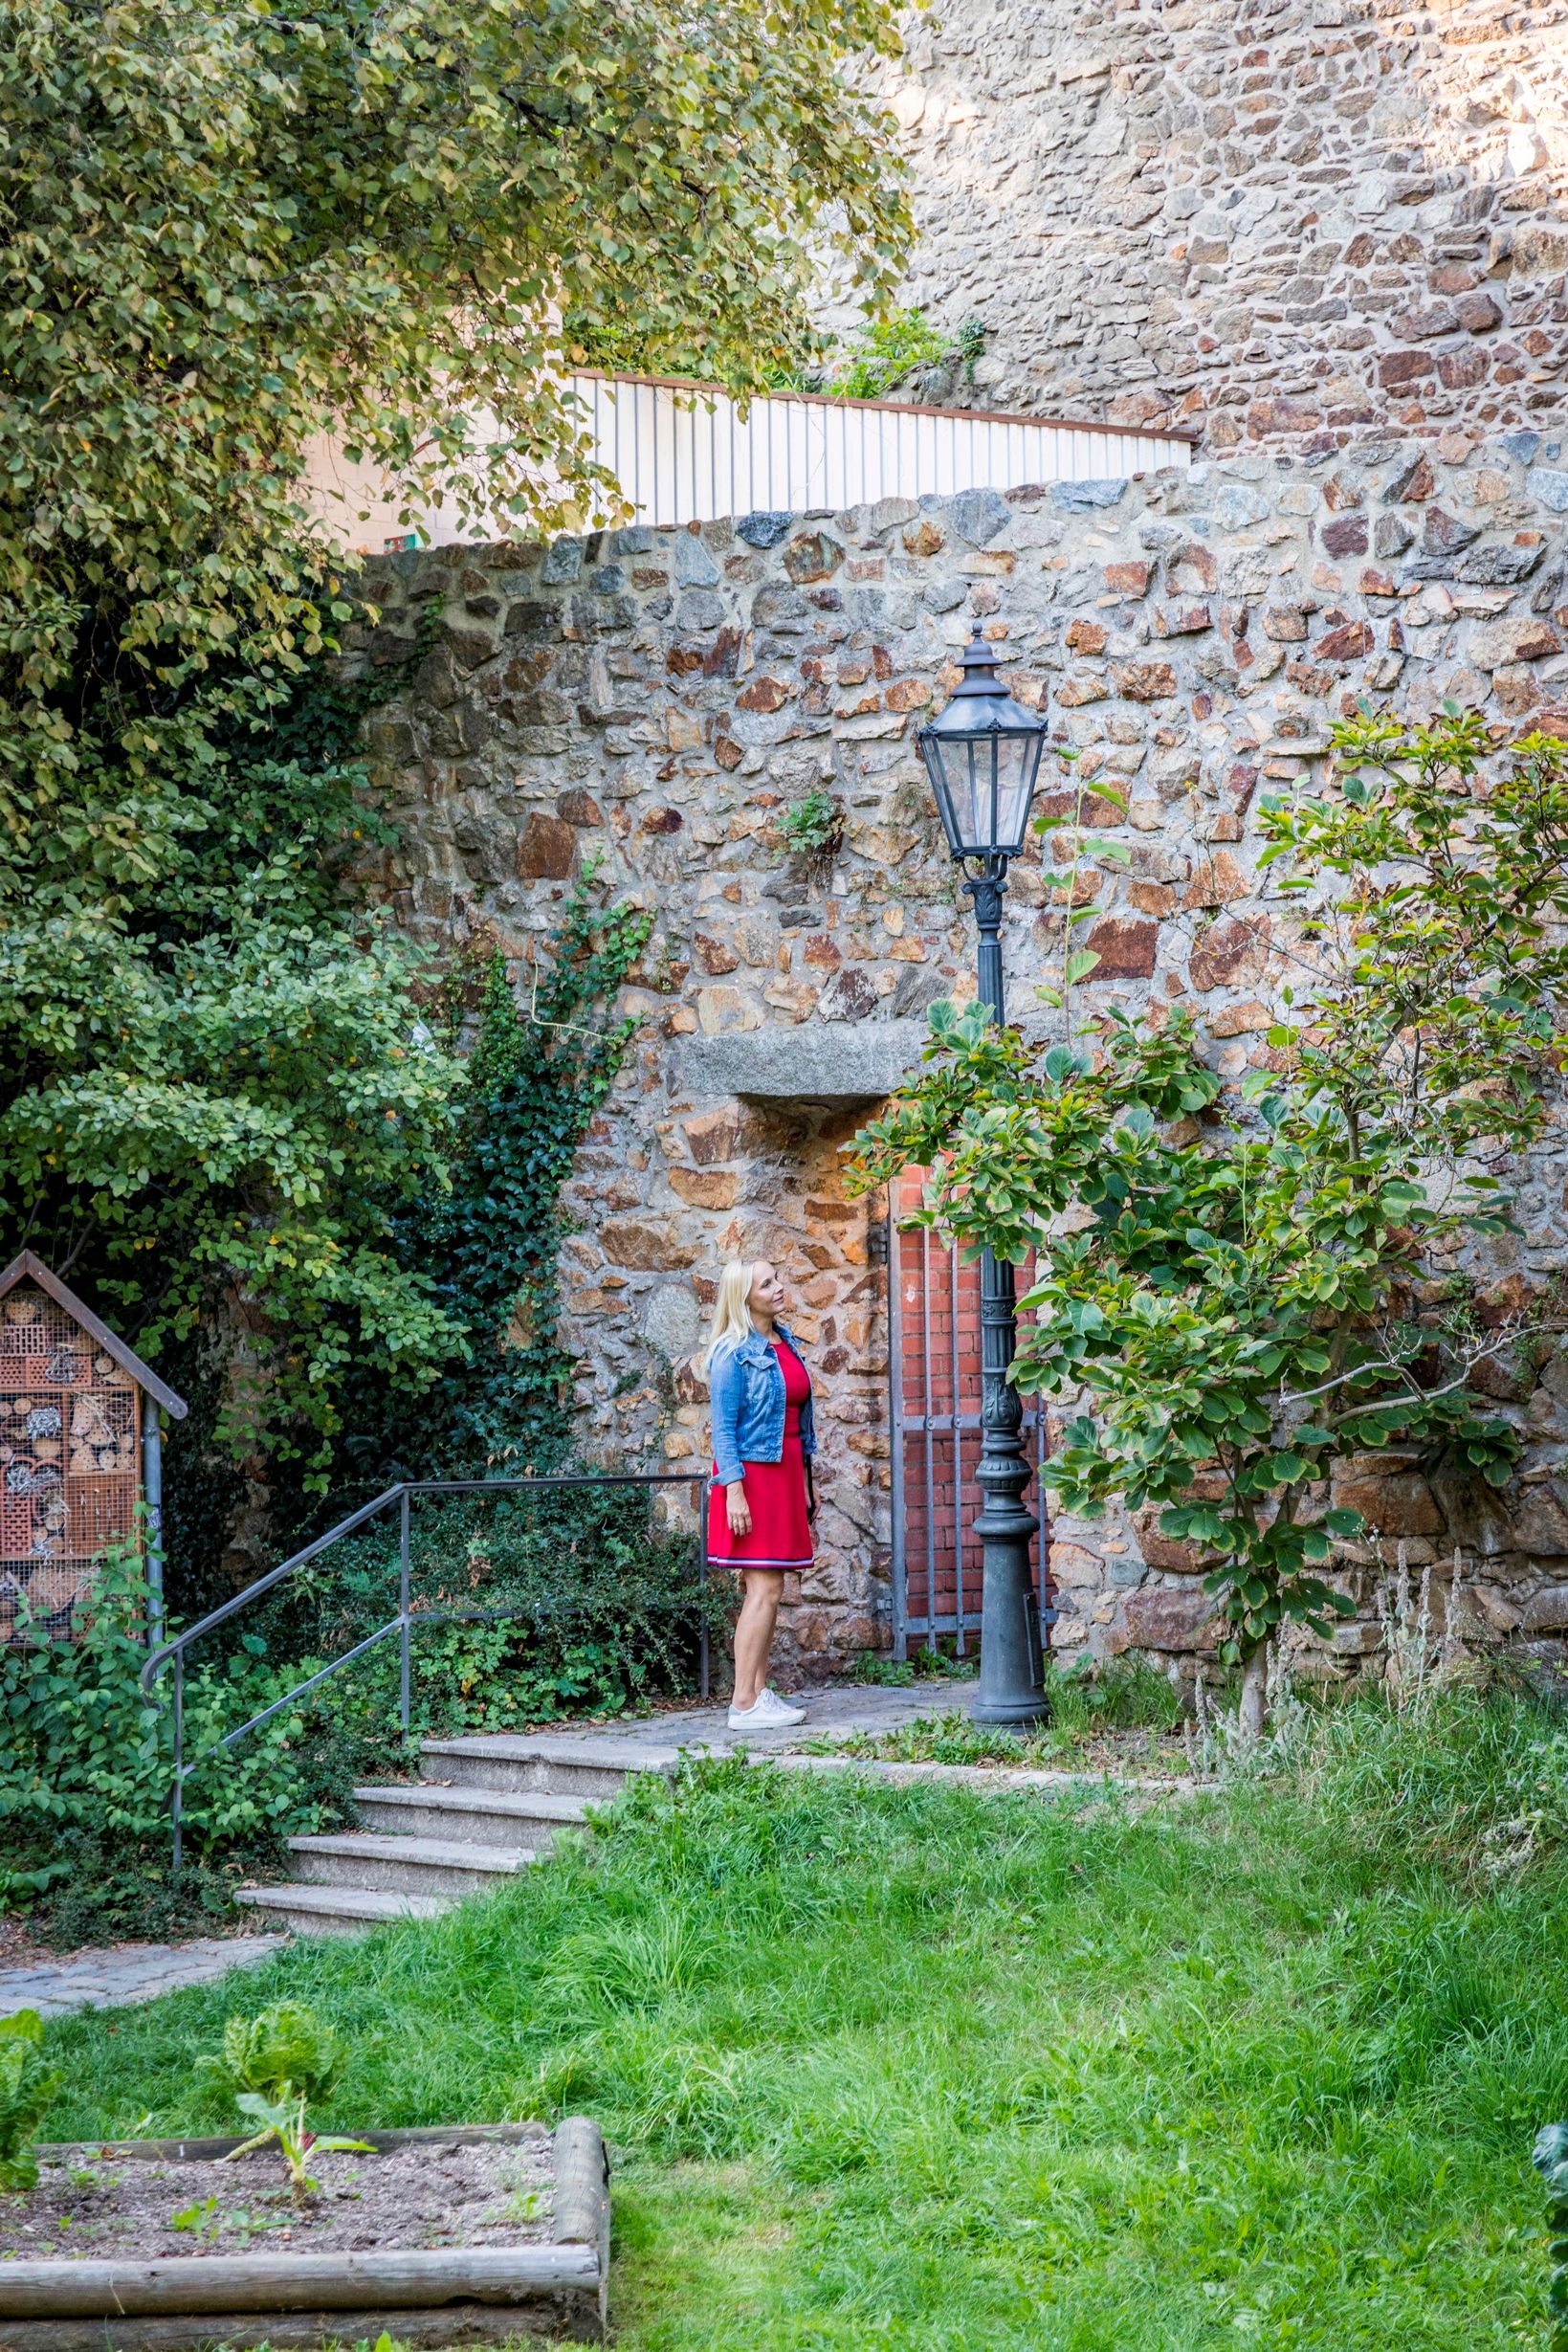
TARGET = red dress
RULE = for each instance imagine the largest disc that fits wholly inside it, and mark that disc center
(781, 1533)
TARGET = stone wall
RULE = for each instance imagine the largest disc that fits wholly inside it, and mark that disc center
(1285, 220)
(658, 698)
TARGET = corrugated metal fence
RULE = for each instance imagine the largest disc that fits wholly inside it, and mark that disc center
(684, 454)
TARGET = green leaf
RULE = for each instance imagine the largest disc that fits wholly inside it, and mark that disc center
(1287, 1467)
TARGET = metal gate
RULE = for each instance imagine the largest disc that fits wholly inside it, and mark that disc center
(934, 1413)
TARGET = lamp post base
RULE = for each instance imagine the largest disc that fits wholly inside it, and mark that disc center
(1011, 1665)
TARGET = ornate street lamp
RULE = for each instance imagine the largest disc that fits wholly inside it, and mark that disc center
(983, 754)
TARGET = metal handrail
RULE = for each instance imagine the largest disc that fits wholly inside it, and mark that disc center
(406, 1619)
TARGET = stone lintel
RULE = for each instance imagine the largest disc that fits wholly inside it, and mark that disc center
(817, 1061)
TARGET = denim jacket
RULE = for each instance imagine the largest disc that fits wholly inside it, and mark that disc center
(747, 1391)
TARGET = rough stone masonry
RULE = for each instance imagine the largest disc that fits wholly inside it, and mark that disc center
(659, 698)
(1279, 222)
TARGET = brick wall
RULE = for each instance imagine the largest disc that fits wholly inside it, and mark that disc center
(660, 697)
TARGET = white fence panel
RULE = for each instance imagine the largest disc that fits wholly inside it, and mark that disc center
(684, 452)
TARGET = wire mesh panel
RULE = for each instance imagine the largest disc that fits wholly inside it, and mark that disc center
(68, 1471)
(935, 1372)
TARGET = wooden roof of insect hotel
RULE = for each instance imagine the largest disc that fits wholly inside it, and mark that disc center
(28, 1268)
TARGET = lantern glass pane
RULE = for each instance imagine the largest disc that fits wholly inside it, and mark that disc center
(983, 784)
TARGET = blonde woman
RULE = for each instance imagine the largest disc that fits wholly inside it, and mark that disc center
(763, 1500)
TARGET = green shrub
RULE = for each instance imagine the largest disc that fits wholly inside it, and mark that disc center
(887, 350)
(581, 1601)
(87, 1766)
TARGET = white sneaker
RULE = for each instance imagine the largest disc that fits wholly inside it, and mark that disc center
(768, 1713)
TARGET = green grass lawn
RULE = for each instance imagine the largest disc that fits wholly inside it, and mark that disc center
(923, 2067)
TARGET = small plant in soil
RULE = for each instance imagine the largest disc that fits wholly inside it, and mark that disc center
(210, 2220)
(27, 2091)
(276, 2064)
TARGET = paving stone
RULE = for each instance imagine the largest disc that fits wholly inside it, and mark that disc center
(128, 1973)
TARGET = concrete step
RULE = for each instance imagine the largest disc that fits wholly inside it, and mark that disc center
(406, 1865)
(470, 1816)
(336, 1911)
(561, 1764)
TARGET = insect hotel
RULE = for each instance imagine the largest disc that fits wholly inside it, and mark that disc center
(81, 1446)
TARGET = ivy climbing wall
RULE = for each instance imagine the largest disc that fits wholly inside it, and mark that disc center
(658, 700)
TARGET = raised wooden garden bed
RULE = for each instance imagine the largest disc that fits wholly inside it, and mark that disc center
(460, 2234)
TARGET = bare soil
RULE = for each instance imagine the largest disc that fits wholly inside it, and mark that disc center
(420, 2197)
(19, 1947)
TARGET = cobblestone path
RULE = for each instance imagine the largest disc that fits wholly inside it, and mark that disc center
(125, 1972)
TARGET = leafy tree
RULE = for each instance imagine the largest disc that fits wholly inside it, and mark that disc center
(1239, 1292)
(225, 230)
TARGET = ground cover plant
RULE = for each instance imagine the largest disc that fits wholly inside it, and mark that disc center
(87, 1764)
(1123, 1713)
(925, 2068)
(561, 1601)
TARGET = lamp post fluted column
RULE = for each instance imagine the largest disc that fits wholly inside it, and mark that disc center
(1011, 1665)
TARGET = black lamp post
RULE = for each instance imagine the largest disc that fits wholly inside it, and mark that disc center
(983, 754)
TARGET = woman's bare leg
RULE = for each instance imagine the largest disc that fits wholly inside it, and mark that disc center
(754, 1631)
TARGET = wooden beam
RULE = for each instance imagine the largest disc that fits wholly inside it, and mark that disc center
(387, 2277)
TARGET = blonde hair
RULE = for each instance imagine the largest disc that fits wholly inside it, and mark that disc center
(732, 1316)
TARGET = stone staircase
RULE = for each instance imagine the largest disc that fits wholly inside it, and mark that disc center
(482, 1810)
